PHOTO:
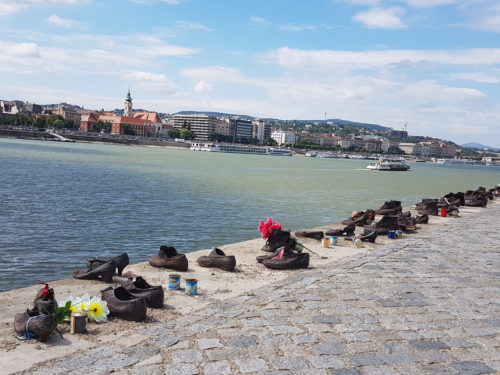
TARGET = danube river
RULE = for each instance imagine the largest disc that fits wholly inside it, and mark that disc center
(62, 203)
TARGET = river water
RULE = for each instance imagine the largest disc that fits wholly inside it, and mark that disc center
(62, 203)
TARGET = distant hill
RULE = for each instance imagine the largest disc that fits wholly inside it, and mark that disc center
(216, 114)
(247, 117)
(478, 146)
(360, 124)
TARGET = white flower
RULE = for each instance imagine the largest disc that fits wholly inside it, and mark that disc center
(97, 309)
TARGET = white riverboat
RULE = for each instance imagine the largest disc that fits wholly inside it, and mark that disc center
(240, 149)
(385, 164)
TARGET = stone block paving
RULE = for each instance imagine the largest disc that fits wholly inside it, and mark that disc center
(426, 304)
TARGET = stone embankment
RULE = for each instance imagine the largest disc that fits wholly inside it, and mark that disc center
(76, 136)
(426, 304)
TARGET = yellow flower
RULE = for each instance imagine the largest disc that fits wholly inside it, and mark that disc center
(97, 309)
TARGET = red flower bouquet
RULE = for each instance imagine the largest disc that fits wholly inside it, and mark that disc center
(266, 228)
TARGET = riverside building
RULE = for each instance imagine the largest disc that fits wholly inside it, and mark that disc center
(201, 124)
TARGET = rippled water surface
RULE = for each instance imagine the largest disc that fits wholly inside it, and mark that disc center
(62, 203)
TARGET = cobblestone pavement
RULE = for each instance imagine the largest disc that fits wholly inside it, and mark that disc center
(428, 304)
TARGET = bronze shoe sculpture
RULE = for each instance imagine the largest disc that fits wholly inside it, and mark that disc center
(369, 236)
(124, 305)
(139, 287)
(422, 219)
(347, 230)
(316, 235)
(390, 208)
(33, 325)
(45, 301)
(278, 239)
(360, 218)
(428, 206)
(387, 223)
(104, 272)
(218, 259)
(287, 260)
(169, 258)
(121, 262)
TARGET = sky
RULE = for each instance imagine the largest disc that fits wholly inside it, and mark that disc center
(430, 65)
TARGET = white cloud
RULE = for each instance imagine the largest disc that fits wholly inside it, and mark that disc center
(62, 22)
(152, 81)
(8, 7)
(202, 87)
(476, 77)
(258, 20)
(485, 16)
(216, 74)
(382, 18)
(23, 50)
(84, 53)
(332, 59)
(259, 23)
(150, 2)
(193, 26)
(144, 76)
(297, 27)
(429, 3)
(413, 3)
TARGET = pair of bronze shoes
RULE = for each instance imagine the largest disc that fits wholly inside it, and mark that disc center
(315, 235)
(284, 259)
(124, 305)
(169, 258)
(38, 322)
(139, 287)
(218, 259)
(103, 270)
(348, 230)
(130, 300)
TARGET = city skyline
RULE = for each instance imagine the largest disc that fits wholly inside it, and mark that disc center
(433, 64)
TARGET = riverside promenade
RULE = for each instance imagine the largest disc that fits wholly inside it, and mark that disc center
(426, 304)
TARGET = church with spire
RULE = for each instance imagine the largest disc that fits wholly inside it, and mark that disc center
(128, 105)
(139, 123)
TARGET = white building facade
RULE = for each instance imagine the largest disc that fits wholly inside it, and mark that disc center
(284, 137)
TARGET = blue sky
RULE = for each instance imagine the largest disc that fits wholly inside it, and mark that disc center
(433, 64)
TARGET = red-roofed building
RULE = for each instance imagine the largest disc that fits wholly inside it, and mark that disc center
(139, 123)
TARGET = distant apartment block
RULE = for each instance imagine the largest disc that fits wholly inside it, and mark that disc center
(372, 145)
(201, 124)
(284, 137)
(240, 129)
(386, 144)
(319, 139)
(412, 148)
(260, 130)
(401, 134)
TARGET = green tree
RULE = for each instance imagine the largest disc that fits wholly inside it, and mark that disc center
(55, 121)
(174, 133)
(127, 129)
(41, 122)
(21, 119)
(269, 142)
(187, 134)
(395, 150)
(101, 126)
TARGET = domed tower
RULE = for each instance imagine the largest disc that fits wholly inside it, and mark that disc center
(128, 105)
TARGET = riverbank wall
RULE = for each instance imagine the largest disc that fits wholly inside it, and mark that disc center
(90, 137)
(216, 290)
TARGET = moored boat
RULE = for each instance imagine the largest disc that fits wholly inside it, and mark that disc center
(385, 164)
(240, 149)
